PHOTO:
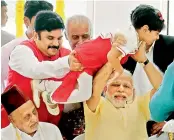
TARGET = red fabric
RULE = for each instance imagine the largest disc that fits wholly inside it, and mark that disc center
(4, 118)
(12, 99)
(92, 55)
(24, 84)
(124, 59)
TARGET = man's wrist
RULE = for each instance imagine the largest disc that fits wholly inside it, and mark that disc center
(144, 63)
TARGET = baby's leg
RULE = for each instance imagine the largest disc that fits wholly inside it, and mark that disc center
(45, 87)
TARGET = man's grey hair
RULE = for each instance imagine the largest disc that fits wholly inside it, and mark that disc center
(124, 72)
(79, 19)
(127, 72)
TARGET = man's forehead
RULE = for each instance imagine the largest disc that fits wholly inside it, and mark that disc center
(24, 109)
(77, 23)
(54, 33)
(79, 31)
(27, 106)
(75, 26)
(123, 77)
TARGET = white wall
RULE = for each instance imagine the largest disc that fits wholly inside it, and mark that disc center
(111, 15)
(106, 16)
(171, 18)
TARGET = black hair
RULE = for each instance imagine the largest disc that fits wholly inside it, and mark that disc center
(147, 15)
(31, 8)
(48, 20)
(3, 3)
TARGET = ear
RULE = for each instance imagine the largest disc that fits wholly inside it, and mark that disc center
(66, 36)
(11, 119)
(35, 36)
(145, 28)
(26, 21)
(105, 89)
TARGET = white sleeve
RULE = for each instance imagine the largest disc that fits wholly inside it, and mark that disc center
(58, 133)
(23, 61)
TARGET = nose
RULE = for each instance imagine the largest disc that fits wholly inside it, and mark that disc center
(34, 118)
(55, 43)
(80, 40)
(121, 88)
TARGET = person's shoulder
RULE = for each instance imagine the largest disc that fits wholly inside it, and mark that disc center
(43, 124)
(170, 68)
(7, 34)
(47, 126)
(7, 128)
(15, 42)
(7, 132)
(6, 37)
(166, 38)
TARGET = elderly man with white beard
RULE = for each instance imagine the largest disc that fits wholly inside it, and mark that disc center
(121, 114)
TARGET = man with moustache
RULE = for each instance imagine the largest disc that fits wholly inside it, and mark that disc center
(31, 8)
(42, 57)
(121, 114)
(24, 120)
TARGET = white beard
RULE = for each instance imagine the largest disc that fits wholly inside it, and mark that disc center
(117, 103)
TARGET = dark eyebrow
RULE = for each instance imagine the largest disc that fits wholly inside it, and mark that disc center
(60, 36)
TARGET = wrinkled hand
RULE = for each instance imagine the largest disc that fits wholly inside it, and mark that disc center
(74, 64)
(156, 128)
(140, 55)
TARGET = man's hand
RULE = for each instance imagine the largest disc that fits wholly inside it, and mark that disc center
(74, 64)
(114, 54)
(140, 55)
(156, 128)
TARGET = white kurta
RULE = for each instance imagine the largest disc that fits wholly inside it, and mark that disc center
(46, 131)
(163, 136)
(5, 55)
(6, 37)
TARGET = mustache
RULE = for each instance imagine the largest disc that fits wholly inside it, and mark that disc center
(53, 47)
(34, 124)
(121, 94)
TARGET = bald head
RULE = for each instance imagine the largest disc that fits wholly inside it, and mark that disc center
(78, 30)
